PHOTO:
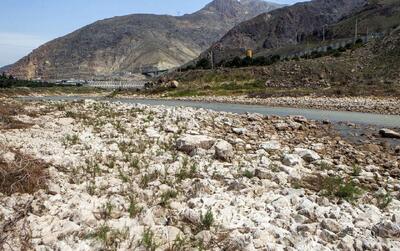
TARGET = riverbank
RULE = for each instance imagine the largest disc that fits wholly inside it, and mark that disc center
(369, 104)
(379, 105)
(122, 176)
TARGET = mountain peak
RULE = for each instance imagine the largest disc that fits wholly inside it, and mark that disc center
(233, 8)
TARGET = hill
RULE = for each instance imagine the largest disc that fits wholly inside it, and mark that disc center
(126, 44)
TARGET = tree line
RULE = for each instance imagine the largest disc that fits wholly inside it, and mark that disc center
(8, 81)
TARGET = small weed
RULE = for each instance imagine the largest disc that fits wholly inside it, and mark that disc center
(91, 188)
(384, 200)
(324, 166)
(274, 167)
(110, 238)
(336, 186)
(71, 140)
(123, 176)
(148, 240)
(147, 178)
(134, 209)
(248, 174)
(100, 233)
(107, 210)
(356, 170)
(134, 163)
(207, 220)
(179, 244)
(166, 196)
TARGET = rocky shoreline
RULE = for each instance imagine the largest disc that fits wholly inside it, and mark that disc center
(137, 177)
(379, 105)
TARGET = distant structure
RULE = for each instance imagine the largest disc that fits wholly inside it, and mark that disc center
(249, 53)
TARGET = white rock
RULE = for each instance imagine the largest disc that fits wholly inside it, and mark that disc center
(307, 155)
(152, 133)
(331, 225)
(223, 150)
(8, 157)
(188, 143)
(292, 160)
(387, 229)
(271, 145)
(191, 216)
(239, 131)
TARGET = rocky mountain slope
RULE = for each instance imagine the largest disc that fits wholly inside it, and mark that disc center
(135, 42)
(285, 26)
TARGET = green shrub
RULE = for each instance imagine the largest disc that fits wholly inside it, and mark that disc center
(207, 220)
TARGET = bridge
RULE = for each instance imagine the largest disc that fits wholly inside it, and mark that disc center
(122, 84)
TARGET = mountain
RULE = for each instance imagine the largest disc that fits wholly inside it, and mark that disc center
(135, 42)
(5, 68)
(282, 27)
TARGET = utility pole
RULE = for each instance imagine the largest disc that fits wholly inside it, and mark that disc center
(356, 31)
(211, 54)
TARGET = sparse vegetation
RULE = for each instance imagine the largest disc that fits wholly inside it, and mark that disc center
(166, 196)
(148, 240)
(207, 220)
(24, 174)
(248, 174)
(134, 209)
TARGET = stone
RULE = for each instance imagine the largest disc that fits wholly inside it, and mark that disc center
(152, 133)
(346, 243)
(387, 229)
(307, 155)
(388, 133)
(8, 157)
(53, 188)
(239, 131)
(271, 145)
(191, 216)
(281, 126)
(331, 225)
(327, 235)
(171, 128)
(292, 160)
(372, 148)
(223, 150)
(204, 236)
(173, 84)
(188, 143)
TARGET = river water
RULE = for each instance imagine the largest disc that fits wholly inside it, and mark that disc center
(372, 119)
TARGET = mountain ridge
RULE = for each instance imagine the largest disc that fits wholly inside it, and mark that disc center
(282, 27)
(131, 43)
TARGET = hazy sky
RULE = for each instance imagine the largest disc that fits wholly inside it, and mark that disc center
(26, 24)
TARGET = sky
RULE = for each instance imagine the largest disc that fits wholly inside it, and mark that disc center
(27, 24)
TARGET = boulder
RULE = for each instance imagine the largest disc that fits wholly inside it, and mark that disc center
(223, 150)
(173, 84)
(188, 143)
(388, 133)
(331, 225)
(307, 155)
(292, 160)
(152, 133)
(272, 145)
(387, 229)
(239, 131)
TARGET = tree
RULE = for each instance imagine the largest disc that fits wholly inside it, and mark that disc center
(203, 63)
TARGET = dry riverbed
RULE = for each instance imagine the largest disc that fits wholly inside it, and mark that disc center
(106, 176)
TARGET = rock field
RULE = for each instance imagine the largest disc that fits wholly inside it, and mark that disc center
(136, 177)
